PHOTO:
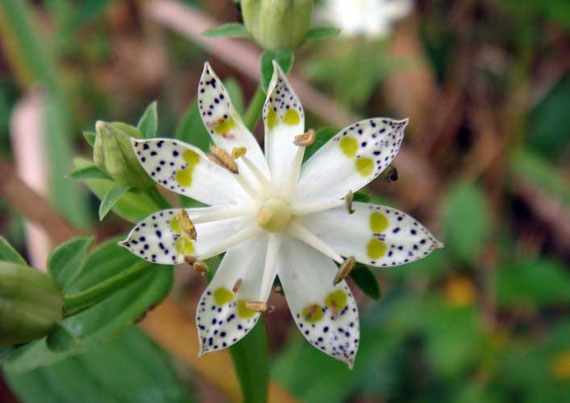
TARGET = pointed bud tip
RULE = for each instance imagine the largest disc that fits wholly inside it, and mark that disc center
(100, 125)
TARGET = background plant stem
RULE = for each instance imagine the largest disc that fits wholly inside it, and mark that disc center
(253, 112)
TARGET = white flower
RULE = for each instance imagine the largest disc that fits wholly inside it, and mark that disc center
(273, 217)
(373, 18)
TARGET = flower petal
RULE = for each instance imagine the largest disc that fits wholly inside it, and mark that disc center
(375, 235)
(222, 317)
(186, 170)
(326, 314)
(160, 238)
(284, 119)
(223, 122)
(350, 160)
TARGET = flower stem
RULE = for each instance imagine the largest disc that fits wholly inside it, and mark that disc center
(253, 112)
(73, 304)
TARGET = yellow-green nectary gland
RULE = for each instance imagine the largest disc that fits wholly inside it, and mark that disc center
(184, 176)
(349, 146)
(312, 313)
(291, 117)
(223, 296)
(336, 300)
(375, 248)
(378, 222)
(243, 311)
(184, 246)
(364, 166)
(274, 215)
(225, 126)
(272, 119)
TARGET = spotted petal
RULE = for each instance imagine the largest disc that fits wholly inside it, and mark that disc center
(375, 235)
(284, 119)
(350, 160)
(160, 237)
(222, 317)
(326, 314)
(186, 170)
(223, 122)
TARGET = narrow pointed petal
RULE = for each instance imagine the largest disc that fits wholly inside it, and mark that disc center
(326, 314)
(186, 170)
(160, 238)
(223, 122)
(350, 160)
(222, 317)
(375, 235)
(284, 119)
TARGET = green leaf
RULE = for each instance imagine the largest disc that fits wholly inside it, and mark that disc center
(541, 282)
(9, 254)
(91, 172)
(90, 137)
(110, 199)
(322, 33)
(323, 135)
(104, 321)
(530, 168)
(133, 206)
(66, 259)
(148, 123)
(252, 364)
(131, 368)
(466, 220)
(231, 29)
(366, 280)
(283, 57)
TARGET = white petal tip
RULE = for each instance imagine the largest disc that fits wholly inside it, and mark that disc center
(405, 122)
(438, 245)
(123, 243)
(207, 69)
(350, 364)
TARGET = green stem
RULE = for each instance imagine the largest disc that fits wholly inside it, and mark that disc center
(73, 304)
(254, 109)
(158, 199)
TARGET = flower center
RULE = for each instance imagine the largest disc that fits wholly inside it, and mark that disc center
(273, 215)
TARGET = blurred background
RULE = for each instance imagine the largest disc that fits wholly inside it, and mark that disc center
(485, 166)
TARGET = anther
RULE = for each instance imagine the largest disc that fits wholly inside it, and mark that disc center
(237, 285)
(223, 159)
(238, 152)
(186, 224)
(305, 139)
(348, 199)
(334, 309)
(257, 306)
(197, 264)
(345, 270)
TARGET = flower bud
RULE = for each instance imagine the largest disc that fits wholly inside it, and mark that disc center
(31, 303)
(277, 24)
(114, 155)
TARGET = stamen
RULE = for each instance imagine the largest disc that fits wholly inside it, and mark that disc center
(238, 152)
(197, 264)
(345, 270)
(212, 125)
(305, 139)
(186, 224)
(230, 242)
(348, 201)
(273, 246)
(334, 309)
(223, 159)
(237, 285)
(303, 234)
(257, 306)
(222, 213)
(315, 207)
(260, 176)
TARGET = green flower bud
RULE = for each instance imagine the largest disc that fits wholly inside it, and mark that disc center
(114, 155)
(277, 24)
(31, 304)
